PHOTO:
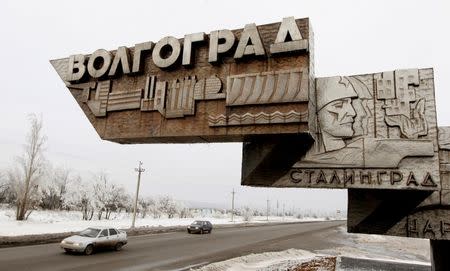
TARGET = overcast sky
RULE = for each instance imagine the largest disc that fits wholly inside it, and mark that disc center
(351, 37)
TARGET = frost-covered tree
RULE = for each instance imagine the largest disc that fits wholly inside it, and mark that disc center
(4, 189)
(55, 188)
(116, 200)
(26, 176)
(154, 209)
(109, 197)
(168, 206)
(186, 213)
(148, 205)
(247, 214)
(80, 196)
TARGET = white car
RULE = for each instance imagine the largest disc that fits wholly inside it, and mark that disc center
(95, 238)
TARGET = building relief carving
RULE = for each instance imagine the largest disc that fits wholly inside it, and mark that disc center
(444, 138)
(267, 87)
(402, 107)
(173, 99)
(257, 85)
(372, 123)
(259, 118)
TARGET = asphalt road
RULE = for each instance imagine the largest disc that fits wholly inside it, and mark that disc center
(178, 251)
(175, 251)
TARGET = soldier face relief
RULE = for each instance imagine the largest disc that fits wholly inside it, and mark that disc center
(337, 118)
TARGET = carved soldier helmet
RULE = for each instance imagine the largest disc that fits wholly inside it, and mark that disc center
(333, 88)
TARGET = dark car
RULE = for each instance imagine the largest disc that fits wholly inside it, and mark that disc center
(200, 226)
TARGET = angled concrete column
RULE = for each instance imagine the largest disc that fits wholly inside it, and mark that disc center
(440, 251)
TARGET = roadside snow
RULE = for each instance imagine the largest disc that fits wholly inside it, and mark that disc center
(263, 262)
(359, 246)
(380, 247)
(41, 222)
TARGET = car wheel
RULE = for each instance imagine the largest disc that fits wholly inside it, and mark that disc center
(189, 231)
(89, 249)
(67, 250)
(118, 246)
(201, 231)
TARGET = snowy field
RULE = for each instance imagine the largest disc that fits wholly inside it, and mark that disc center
(41, 222)
(357, 246)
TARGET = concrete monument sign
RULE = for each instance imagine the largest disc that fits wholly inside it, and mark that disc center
(373, 134)
(370, 131)
(220, 87)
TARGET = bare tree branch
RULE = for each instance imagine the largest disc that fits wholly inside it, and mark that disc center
(25, 179)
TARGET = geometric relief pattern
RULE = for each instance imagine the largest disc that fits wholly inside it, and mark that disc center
(173, 99)
(267, 87)
(402, 106)
(259, 118)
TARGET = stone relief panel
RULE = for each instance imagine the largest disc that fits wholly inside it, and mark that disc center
(444, 138)
(177, 98)
(373, 131)
(426, 214)
(221, 86)
(259, 118)
(173, 99)
(267, 87)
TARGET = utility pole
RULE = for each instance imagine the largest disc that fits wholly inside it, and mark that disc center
(267, 210)
(277, 209)
(283, 212)
(139, 170)
(232, 205)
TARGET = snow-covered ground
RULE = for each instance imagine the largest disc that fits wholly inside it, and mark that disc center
(264, 261)
(41, 222)
(359, 246)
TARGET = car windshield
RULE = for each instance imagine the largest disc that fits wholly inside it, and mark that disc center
(90, 232)
(196, 223)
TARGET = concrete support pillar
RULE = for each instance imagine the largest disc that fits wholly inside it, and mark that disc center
(440, 255)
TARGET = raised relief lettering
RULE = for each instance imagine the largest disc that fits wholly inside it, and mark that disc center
(335, 178)
(166, 52)
(445, 228)
(289, 38)
(349, 177)
(380, 175)
(365, 176)
(412, 230)
(396, 177)
(121, 58)
(428, 181)
(187, 46)
(296, 176)
(250, 43)
(220, 42)
(76, 68)
(411, 179)
(309, 174)
(99, 63)
(428, 230)
(321, 177)
(139, 49)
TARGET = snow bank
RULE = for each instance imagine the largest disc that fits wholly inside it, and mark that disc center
(283, 260)
(380, 247)
(358, 246)
(41, 222)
